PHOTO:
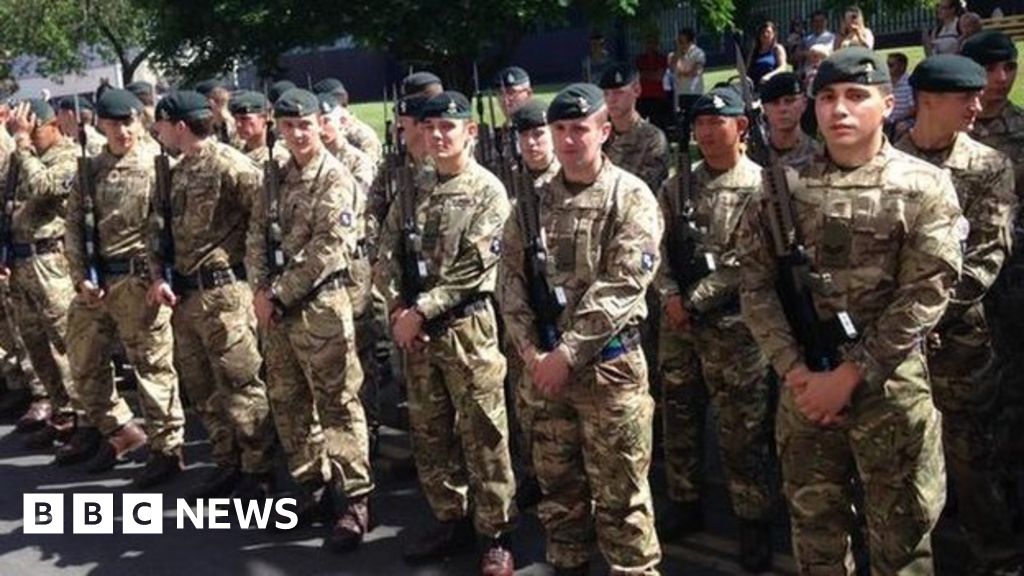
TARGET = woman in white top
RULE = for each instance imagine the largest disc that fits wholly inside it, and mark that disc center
(945, 37)
(855, 31)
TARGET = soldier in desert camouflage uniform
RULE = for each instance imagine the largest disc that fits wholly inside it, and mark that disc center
(304, 312)
(455, 369)
(784, 102)
(592, 433)
(879, 227)
(358, 133)
(213, 187)
(961, 358)
(735, 371)
(122, 180)
(635, 145)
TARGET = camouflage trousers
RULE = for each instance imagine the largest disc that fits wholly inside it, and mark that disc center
(218, 362)
(965, 382)
(736, 375)
(371, 329)
(459, 427)
(892, 441)
(592, 452)
(41, 292)
(145, 332)
(14, 361)
(684, 405)
(313, 382)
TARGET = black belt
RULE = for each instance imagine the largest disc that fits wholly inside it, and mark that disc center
(465, 308)
(125, 267)
(209, 278)
(26, 250)
(627, 340)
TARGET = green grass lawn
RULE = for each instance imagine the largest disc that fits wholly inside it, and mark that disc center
(374, 112)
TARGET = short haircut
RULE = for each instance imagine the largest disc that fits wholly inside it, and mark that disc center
(688, 33)
(201, 127)
(901, 58)
(821, 13)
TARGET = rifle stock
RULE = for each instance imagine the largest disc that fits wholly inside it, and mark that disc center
(164, 213)
(85, 188)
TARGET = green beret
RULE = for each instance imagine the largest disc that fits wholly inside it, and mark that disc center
(618, 75)
(183, 105)
(779, 86)
(719, 101)
(532, 114)
(117, 104)
(248, 102)
(68, 103)
(418, 82)
(575, 101)
(452, 105)
(511, 77)
(330, 85)
(988, 47)
(207, 86)
(140, 88)
(328, 102)
(278, 88)
(410, 105)
(948, 73)
(296, 103)
(41, 109)
(856, 64)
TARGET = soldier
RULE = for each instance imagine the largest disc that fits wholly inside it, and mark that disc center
(592, 433)
(212, 190)
(250, 111)
(425, 84)
(371, 327)
(784, 104)
(448, 333)
(41, 288)
(1000, 125)
(947, 92)
(304, 313)
(115, 219)
(879, 227)
(734, 369)
(530, 121)
(635, 145)
(358, 133)
(278, 88)
(515, 90)
(70, 113)
(146, 93)
(219, 96)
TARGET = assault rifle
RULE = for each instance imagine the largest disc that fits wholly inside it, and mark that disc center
(271, 182)
(6, 218)
(819, 340)
(164, 212)
(684, 238)
(88, 192)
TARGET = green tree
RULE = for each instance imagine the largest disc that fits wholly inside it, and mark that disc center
(59, 32)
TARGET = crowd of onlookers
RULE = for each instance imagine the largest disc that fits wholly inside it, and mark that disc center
(670, 83)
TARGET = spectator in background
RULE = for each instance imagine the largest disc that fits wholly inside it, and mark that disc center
(654, 102)
(687, 65)
(768, 57)
(795, 42)
(945, 37)
(819, 35)
(816, 54)
(903, 110)
(970, 24)
(597, 59)
(855, 31)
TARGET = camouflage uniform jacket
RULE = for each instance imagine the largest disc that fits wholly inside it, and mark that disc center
(801, 154)
(719, 201)
(461, 220)
(362, 136)
(983, 178)
(318, 235)
(212, 192)
(43, 188)
(1005, 132)
(123, 188)
(602, 252)
(359, 164)
(642, 151)
(94, 142)
(885, 234)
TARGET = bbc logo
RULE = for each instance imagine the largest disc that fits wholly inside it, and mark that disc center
(93, 513)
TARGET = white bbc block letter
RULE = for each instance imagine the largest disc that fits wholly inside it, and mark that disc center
(43, 513)
(142, 513)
